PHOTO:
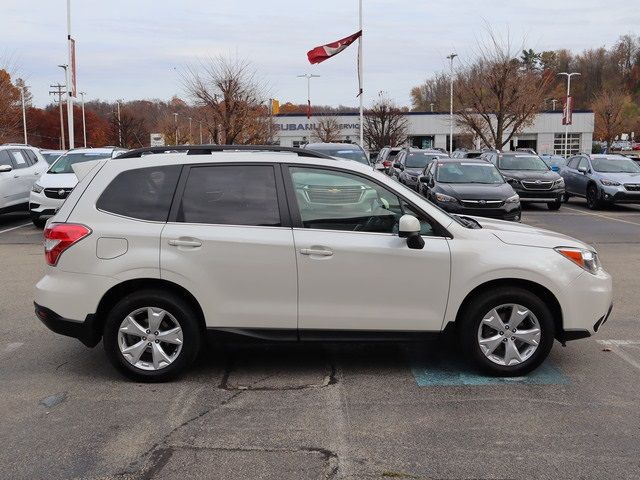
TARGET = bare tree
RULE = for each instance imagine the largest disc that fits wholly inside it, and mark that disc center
(327, 129)
(130, 129)
(232, 100)
(384, 124)
(496, 96)
(609, 112)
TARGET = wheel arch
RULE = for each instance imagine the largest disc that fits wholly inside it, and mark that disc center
(117, 292)
(539, 290)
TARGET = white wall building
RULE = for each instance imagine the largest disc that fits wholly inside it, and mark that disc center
(426, 129)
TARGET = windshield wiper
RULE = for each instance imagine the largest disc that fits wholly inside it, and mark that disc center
(468, 222)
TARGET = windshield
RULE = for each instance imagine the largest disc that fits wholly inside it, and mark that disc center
(357, 155)
(615, 165)
(463, 172)
(50, 157)
(521, 162)
(419, 160)
(63, 164)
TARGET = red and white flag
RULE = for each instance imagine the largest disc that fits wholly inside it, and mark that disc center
(323, 52)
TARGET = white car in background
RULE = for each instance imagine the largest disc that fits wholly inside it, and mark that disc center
(53, 187)
(151, 251)
(20, 166)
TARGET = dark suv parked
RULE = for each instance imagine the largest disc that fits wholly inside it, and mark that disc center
(530, 177)
(411, 162)
(470, 186)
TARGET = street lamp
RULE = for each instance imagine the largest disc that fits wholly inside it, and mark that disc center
(175, 120)
(566, 112)
(190, 138)
(24, 115)
(450, 58)
(119, 125)
(308, 76)
(84, 123)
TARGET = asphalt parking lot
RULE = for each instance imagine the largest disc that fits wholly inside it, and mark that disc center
(324, 411)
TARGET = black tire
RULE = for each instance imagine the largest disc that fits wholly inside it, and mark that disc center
(38, 222)
(593, 202)
(183, 314)
(554, 205)
(566, 197)
(474, 312)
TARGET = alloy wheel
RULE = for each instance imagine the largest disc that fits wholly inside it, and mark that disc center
(150, 338)
(509, 334)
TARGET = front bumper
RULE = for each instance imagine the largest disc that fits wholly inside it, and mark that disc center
(619, 195)
(508, 211)
(86, 331)
(542, 196)
(40, 205)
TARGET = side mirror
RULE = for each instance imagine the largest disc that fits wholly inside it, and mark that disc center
(555, 168)
(409, 228)
(423, 179)
(398, 165)
(5, 168)
(582, 169)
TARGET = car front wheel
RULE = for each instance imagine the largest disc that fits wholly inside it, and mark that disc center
(554, 205)
(152, 336)
(593, 202)
(508, 332)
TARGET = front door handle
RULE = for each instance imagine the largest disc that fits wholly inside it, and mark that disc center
(316, 251)
(183, 242)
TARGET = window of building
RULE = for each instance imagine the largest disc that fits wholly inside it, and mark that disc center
(572, 145)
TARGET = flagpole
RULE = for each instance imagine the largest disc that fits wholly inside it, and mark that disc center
(360, 76)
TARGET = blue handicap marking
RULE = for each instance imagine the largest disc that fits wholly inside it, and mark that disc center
(430, 371)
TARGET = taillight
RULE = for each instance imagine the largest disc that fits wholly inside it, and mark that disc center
(58, 237)
(386, 163)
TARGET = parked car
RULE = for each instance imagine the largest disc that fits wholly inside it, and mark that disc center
(554, 162)
(51, 155)
(150, 252)
(385, 159)
(470, 187)
(411, 162)
(464, 153)
(531, 178)
(349, 151)
(53, 187)
(20, 166)
(621, 145)
(602, 179)
(526, 150)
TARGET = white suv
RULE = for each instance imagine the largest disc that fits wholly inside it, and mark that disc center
(53, 187)
(151, 251)
(20, 166)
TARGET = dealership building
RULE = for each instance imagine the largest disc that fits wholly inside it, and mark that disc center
(431, 129)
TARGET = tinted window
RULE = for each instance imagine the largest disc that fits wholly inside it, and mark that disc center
(615, 165)
(583, 163)
(420, 160)
(521, 162)
(31, 157)
(333, 200)
(468, 172)
(5, 159)
(231, 195)
(144, 193)
(19, 159)
(573, 163)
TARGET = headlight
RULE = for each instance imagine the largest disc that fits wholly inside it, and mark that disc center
(609, 183)
(559, 183)
(441, 197)
(514, 199)
(586, 259)
(37, 188)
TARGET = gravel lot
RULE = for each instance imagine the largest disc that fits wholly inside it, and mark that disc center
(284, 411)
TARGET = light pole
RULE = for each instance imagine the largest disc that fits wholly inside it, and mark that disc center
(308, 76)
(84, 122)
(24, 115)
(450, 58)
(190, 137)
(175, 121)
(119, 125)
(200, 122)
(567, 112)
(553, 103)
(70, 72)
(431, 106)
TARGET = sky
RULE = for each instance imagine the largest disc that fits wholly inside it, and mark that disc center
(134, 49)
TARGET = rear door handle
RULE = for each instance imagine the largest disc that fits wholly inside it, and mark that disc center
(183, 242)
(316, 251)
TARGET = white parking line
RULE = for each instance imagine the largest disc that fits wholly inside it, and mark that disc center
(615, 345)
(597, 215)
(15, 228)
(12, 347)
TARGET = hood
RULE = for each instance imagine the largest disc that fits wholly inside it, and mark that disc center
(58, 180)
(621, 177)
(520, 234)
(547, 175)
(477, 191)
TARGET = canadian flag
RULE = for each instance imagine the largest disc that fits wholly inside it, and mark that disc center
(321, 53)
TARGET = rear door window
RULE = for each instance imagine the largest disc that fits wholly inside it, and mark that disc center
(231, 195)
(144, 193)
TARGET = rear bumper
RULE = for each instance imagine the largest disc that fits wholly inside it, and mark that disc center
(86, 331)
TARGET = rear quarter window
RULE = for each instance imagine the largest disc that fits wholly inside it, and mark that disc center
(144, 193)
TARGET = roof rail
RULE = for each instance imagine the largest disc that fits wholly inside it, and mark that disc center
(208, 149)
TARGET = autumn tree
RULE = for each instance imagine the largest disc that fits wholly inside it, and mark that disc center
(384, 124)
(497, 96)
(128, 130)
(232, 99)
(434, 91)
(327, 129)
(609, 111)
(10, 116)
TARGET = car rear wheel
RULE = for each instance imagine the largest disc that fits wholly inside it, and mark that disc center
(152, 336)
(507, 333)
(593, 202)
(554, 205)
